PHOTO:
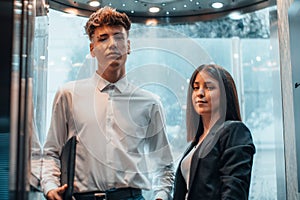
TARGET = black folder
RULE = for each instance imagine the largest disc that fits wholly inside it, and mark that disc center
(67, 158)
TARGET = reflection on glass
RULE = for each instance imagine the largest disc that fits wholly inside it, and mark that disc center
(163, 64)
(25, 151)
(39, 99)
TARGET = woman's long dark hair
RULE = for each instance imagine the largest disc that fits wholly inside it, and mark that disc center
(230, 109)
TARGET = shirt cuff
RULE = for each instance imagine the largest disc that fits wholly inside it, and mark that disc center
(48, 187)
(162, 195)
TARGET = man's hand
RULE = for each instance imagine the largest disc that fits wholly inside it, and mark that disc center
(57, 194)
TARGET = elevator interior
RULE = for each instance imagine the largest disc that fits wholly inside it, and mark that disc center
(44, 57)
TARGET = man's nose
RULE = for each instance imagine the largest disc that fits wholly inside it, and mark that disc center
(112, 42)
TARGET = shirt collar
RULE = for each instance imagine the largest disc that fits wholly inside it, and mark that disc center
(102, 83)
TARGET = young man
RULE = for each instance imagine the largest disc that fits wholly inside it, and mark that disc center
(122, 145)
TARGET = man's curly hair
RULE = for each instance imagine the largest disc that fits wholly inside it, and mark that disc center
(106, 16)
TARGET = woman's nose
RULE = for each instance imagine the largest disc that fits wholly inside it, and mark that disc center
(201, 92)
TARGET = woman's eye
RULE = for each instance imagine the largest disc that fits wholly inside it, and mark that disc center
(210, 87)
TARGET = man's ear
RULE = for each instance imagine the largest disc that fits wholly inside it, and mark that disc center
(128, 47)
(92, 49)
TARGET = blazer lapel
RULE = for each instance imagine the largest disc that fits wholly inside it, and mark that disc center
(203, 149)
(179, 183)
(195, 162)
(187, 151)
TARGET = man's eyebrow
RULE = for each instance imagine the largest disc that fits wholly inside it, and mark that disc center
(102, 35)
(119, 33)
(106, 34)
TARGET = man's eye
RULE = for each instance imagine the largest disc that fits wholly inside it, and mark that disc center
(102, 39)
(119, 37)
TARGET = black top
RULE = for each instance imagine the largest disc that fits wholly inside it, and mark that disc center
(221, 166)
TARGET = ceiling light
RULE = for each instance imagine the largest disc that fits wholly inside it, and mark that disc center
(19, 4)
(151, 22)
(217, 5)
(94, 3)
(71, 12)
(154, 9)
(235, 15)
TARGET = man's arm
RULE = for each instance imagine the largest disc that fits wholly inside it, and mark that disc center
(160, 155)
(56, 137)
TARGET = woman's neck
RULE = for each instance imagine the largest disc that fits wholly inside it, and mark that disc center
(208, 123)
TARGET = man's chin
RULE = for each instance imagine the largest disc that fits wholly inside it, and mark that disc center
(114, 63)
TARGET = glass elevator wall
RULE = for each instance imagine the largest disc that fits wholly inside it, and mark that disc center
(162, 60)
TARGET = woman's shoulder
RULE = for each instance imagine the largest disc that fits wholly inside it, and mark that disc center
(234, 124)
(235, 130)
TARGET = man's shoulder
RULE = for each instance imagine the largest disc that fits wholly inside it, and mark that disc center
(138, 91)
(76, 85)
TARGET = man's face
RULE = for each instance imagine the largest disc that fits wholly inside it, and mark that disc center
(110, 45)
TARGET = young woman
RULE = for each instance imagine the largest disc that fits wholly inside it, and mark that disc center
(218, 162)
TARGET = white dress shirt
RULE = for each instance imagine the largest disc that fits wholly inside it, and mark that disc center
(121, 137)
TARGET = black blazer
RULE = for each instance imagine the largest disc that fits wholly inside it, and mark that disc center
(221, 165)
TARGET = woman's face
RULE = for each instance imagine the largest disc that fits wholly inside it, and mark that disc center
(206, 95)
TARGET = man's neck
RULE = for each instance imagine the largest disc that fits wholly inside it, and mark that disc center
(111, 77)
